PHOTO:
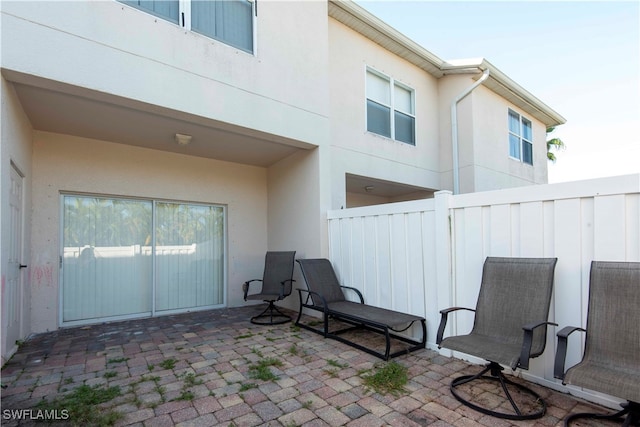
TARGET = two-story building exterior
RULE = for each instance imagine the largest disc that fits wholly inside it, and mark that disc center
(151, 152)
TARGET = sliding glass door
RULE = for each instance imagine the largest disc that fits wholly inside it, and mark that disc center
(130, 258)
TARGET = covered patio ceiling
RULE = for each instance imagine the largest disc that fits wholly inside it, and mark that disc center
(60, 108)
(381, 188)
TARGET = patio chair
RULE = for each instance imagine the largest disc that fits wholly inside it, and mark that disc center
(277, 283)
(325, 294)
(611, 359)
(509, 328)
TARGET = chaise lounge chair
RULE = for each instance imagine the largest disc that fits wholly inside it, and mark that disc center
(611, 359)
(325, 294)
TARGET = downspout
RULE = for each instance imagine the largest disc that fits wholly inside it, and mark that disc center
(454, 128)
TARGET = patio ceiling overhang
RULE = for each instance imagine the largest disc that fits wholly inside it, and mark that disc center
(66, 109)
(382, 188)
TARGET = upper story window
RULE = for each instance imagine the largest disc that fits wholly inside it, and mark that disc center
(229, 21)
(520, 138)
(390, 108)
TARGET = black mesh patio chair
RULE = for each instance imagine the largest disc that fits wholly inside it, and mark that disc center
(277, 281)
(611, 358)
(325, 294)
(510, 327)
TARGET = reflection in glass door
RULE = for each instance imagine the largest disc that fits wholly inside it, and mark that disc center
(189, 256)
(110, 248)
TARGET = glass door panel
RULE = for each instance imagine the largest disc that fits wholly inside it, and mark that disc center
(189, 256)
(106, 262)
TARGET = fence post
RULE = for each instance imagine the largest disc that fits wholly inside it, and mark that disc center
(444, 258)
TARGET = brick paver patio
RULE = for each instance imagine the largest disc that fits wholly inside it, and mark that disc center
(196, 370)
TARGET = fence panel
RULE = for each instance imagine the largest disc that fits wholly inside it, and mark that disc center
(394, 253)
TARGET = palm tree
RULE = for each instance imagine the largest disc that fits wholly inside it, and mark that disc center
(553, 144)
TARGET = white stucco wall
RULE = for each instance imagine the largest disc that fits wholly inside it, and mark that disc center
(296, 214)
(72, 164)
(493, 168)
(15, 148)
(483, 140)
(358, 152)
(112, 48)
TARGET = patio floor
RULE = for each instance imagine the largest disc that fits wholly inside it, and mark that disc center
(195, 370)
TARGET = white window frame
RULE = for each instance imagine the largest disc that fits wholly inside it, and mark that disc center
(393, 83)
(184, 21)
(522, 140)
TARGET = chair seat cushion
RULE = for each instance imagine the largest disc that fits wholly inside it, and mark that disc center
(487, 347)
(263, 297)
(622, 383)
(372, 314)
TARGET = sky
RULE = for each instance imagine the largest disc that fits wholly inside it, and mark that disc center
(581, 58)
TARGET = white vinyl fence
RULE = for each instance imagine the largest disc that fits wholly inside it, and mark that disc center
(423, 256)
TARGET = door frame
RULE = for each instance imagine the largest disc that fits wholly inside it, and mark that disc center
(13, 328)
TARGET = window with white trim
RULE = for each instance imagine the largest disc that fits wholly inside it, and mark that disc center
(520, 138)
(229, 21)
(390, 108)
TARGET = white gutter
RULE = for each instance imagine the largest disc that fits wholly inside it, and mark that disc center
(454, 128)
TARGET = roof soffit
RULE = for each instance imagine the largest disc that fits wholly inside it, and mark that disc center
(360, 20)
(504, 86)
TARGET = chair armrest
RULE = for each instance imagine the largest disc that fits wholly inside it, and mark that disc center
(525, 354)
(245, 287)
(311, 294)
(443, 321)
(561, 351)
(356, 291)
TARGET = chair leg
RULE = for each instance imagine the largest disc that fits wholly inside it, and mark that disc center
(270, 316)
(631, 409)
(496, 375)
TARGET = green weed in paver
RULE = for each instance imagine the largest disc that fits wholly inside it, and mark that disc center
(249, 335)
(168, 363)
(261, 369)
(333, 373)
(190, 380)
(256, 351)
(293, 349)
(247, 386)
(185, 395)
(118, 360)
(160, 390)
(80, 405)
(110, 374)
(150, 367)
(337, 364)
(388, 379)
(307, 405)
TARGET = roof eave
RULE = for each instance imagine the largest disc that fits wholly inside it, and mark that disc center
(504, 86)
(360, 20)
